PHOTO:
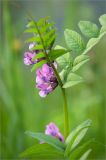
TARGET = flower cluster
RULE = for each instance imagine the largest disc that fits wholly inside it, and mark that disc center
(45, 77)
(53, 130)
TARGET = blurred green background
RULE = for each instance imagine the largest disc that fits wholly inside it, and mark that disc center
(21, 108)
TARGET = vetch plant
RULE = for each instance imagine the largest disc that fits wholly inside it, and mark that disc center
(57, 66)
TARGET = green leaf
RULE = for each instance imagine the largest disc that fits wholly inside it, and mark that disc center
(79, 61)
(31, 24)
(42, 21)
(31, 30)
(103, 29)
(88, 28)
(53, 54)
(102, 20)
(38, 47)
(44, 34)
(92, 42)
(51, 41)
(63, 75)
(64, 60)
(39, 55)
(76, 136)
(72, 79)
(42, 151)
(33, 39)
(74, 41)
(47, 139)
(78, 151)
(49, 34)
(38, 65)
(47, 27)
(85, 155)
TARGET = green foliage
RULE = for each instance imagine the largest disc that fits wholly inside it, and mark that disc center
(80, 150)
(64, 61)
(53, 54)
(52, 149)
(72, 79)
(79, 61)
(43, 151)
(37, 56)
(103, 29)
(38, 65)
(48, 139)
(74, 41)
(92, 42)
(85, 155)
(44, 36)
(102, 20)
(76, 136)
(88, 28)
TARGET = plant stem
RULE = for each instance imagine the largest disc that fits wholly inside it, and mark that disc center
(66, 120)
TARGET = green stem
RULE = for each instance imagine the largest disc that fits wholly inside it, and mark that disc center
(66, 119)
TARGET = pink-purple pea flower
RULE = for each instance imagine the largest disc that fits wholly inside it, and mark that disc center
(53, 130)
(28, 56)
(46, 80)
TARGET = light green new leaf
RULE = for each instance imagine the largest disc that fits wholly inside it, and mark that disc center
(79, 61)
(38, 65)
(88, 28)
(72, 79)
(64, 60)
(85, 155)
(92, 42)
(63, 75)
(103, 29)
(76, 136)
(102, 20)
(59, 47)
(42, 152)
(53, 54)
(47, 139)
(74, 41)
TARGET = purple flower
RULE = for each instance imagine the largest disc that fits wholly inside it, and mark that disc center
(53, 130)
(46, 80)
(28, 58)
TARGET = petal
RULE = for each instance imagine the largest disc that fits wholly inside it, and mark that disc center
(31, 45)
(60, 137)
(42, 94)
(39, 80)
(45, 68)
(27, 61)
